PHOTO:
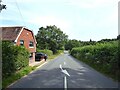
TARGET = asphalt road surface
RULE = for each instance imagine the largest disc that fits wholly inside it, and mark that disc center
(65, 72)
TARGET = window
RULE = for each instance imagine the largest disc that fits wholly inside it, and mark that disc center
(31, 44)
(21, 42)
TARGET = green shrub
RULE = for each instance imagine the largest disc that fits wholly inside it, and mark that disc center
(13, 58)
(59, 51)
(21, 57)
(12, 78)
(48, 52)
(102, 56)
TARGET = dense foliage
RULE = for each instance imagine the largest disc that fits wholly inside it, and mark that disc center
(77, 43)
(59, 51)
(102, 56)
(48, 52)
(14, 58)
(71, 44)
(51, 38)
(8, 80)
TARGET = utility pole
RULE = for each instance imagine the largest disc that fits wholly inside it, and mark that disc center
(2, 6)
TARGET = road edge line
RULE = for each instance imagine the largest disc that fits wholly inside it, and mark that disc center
(26, 75)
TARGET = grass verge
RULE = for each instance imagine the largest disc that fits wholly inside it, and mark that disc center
(105, 72)
(53, 56)
(25, 71)
(7, 81)
(114, 76)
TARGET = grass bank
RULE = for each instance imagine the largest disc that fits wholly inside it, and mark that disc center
(7, 81)
(25, 71)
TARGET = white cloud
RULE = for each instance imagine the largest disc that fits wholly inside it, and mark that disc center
(110, 19)
(35, 1)
(83, 24)
(19, 1)
(11, 13)
(113, 16)
(91, 3)
(50, 20)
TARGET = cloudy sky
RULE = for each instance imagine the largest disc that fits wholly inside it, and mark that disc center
(79, 19)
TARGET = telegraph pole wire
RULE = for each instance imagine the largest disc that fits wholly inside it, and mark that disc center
(24, 23)
(20, 12)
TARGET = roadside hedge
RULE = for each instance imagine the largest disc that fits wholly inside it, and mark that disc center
(59, 51)
(14, 58)
(46, 51)
(103, 57)
(49, 52)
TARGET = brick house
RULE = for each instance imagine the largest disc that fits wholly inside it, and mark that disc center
(21, 36)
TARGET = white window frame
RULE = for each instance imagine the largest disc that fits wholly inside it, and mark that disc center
(21, 42)
(32, 44)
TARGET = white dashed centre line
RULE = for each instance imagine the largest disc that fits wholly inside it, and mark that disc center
(65, 83)
(64, 63)
(65, 78)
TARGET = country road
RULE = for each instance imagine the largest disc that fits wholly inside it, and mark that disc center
(65, 72)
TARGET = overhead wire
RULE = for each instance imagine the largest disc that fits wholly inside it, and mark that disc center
(20, 12)
(21, 15)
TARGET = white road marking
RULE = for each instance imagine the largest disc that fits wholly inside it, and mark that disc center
(65, 72)
(61, 67)
(65, 78)
(64, 63)
(65, 83)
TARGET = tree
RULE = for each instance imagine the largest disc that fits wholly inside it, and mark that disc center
(51, 38)
(71, 44)
(2, 6)
(107, 40)
(118, 37)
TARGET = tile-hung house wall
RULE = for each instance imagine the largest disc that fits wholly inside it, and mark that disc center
(21, 36)
(27, 39)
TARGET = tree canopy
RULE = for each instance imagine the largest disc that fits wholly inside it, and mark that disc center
(71, 44)
(51, 37)
(2, 6)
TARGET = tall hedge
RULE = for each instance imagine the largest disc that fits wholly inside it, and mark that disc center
(14, 58)
(103, 57)
(46, 51)
(49, 52)
(59, 51)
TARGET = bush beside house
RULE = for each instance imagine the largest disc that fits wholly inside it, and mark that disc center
(21, 36)
(14, 58)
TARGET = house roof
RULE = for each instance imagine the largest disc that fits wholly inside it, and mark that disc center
(12, 33)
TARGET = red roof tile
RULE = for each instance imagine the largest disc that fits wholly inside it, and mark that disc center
(10, 33)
